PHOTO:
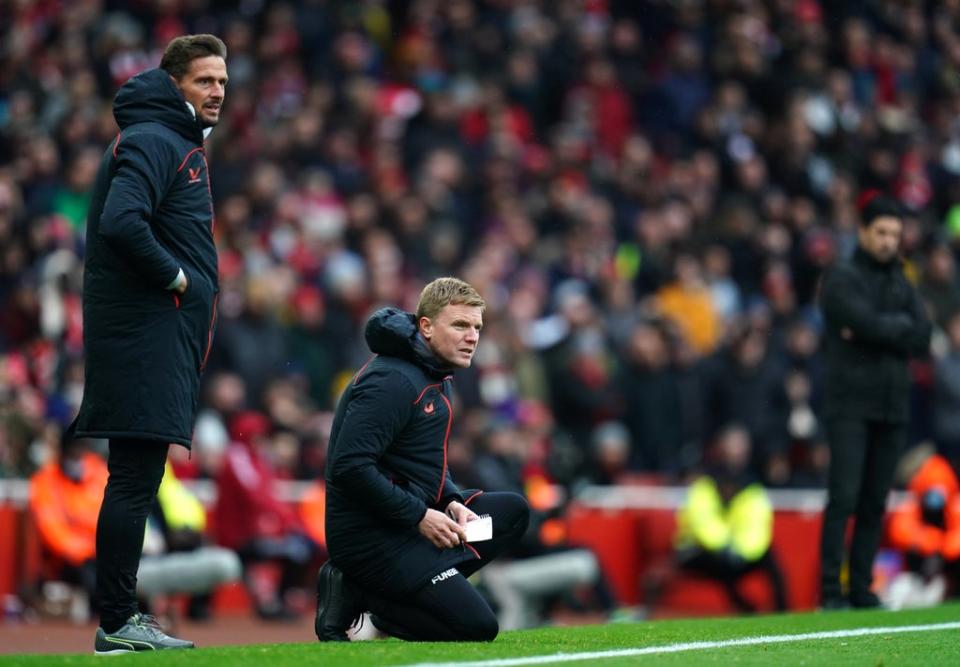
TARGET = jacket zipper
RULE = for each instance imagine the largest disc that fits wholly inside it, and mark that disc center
(213, 323)
(446, 437)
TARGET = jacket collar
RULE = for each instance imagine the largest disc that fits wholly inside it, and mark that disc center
(862, 257)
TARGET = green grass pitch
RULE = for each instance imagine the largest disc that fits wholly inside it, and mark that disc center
(929, 647)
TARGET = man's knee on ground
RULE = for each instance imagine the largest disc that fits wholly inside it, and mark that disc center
(479, 628)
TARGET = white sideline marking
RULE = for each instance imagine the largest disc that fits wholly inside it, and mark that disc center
(691, 646)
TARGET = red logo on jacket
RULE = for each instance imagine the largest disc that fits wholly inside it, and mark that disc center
(428, 408)
(194, 174)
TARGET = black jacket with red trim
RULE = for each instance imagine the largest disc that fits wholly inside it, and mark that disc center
(151, 214)
(387, 461)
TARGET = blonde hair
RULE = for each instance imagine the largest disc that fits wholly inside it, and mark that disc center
(442, 292)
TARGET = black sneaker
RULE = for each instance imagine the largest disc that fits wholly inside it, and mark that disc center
(866, 600)
(141, 632)
(339, 605)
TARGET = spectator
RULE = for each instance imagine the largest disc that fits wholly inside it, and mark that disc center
(652, 405)
(176, 527)
(939, 288)
(251, 519)
(946, 396)
(745, 385)
(688, 302)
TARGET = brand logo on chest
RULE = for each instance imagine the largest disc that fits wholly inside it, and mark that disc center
(194, 174)
(428, 408)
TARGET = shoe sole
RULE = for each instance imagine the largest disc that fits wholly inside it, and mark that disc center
(124, 651)
(119, 651)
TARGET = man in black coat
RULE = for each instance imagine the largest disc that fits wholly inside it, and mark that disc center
(395, 520)
(874, 322)
(149, 308)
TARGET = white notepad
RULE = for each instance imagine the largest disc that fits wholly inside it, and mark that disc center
(480, 529)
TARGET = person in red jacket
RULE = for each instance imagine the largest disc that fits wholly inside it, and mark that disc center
(927, 526)
(251, 520)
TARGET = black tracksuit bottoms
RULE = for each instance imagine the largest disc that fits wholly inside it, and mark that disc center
(863, 455)
(451, 609)
(136, 469)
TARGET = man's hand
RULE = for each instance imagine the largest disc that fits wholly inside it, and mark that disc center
(442, 531)
(460, 513)
(179, 284)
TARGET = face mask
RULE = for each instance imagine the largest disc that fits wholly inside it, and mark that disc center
(72, 469)
(932, 505)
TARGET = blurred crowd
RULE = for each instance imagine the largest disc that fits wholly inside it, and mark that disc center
(645, 192)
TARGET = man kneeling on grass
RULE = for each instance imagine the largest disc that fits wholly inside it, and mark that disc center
(397, 525)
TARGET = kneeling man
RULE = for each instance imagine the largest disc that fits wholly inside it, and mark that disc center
(396, 522)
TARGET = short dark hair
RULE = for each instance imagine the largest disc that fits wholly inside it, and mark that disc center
(183, 50)
(879, 206)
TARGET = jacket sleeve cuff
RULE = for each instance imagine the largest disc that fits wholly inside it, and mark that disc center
(176, 282)
(449, 498)
(421, 515)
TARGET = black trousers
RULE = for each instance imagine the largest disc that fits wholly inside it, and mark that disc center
(729, 574)
(863, 455)
(136, 468)
(449, 608)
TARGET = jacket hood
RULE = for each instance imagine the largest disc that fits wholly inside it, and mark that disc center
(935, 472)
(393, 332)
(151, 96)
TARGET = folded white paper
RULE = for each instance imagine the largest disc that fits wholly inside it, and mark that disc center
(480, 529)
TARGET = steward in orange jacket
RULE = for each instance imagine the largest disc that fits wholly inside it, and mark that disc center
(65, 497)
(928, 524)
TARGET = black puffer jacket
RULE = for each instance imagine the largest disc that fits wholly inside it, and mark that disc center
(387, 461)
(151, 214)
(867, 373)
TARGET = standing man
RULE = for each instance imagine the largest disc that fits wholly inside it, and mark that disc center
(395, 520)
(149, 308)
(874, 322)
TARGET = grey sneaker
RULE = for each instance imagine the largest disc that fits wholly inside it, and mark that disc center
(140, 633)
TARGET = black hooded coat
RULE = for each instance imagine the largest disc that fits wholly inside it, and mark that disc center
(387, 462)
(151, 215)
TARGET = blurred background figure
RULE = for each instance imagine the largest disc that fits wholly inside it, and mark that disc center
(725, 528)
(926, 529)
(177, 555)
(65, 497)
(251, 519)
(946, 395)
